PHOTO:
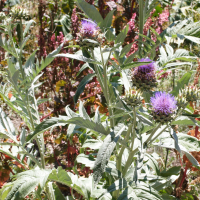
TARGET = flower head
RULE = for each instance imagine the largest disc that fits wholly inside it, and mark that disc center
(144, 75)
(88, 28)
(163, 103)
(148, 68)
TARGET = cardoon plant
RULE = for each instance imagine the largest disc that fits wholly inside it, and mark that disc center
(114, 146)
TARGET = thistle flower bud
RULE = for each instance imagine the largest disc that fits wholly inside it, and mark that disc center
(163, 107)
(181, 100)
(133, 97)
(144, 76)
(88, 34)
(190, 93)
(17, 12)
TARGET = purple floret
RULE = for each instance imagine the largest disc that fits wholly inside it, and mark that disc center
(146, 68)
(163, 103)
(88, 28)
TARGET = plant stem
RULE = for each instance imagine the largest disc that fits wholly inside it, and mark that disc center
(152, 133)
(131, 154)
(184, 176)
(166, 159)
(119, 167)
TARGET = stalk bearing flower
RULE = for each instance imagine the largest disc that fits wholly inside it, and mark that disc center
(164, 106)
(88, 34)
(144, 76)
(133, 97)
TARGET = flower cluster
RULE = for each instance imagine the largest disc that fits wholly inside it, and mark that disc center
(163, 106)
(144, 75)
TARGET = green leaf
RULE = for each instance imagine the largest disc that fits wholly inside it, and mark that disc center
(45, 125)
(81, 86)
(85, 123)
(53, 192)
(169, 143)
(63, 120)
(172, 171)
(130, 66)
(90, 11)
(189, 142)
(108, 20)
(7, 129)
(92, 144)
(83, 186)
(26, 183)
(193, 39)
(5, 190)
(86, 160)
(122, 35)
(126, 49)
(110, 36)
(78, 57)
(28, 25)
(184, 121)
(48, 59)
(103, 155)
(173, 134)
(131, 57)
(181, 83)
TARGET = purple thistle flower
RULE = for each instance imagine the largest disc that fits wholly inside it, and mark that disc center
(88, 28)
(146, 68)
(163, 103)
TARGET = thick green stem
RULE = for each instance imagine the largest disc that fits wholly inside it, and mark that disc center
(20, 53)
(119, 160)
(152, 133)
(166, 159)
(107, 96)
(132, 153)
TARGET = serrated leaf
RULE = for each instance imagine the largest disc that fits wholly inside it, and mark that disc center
(26, 183)
(103, 156)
